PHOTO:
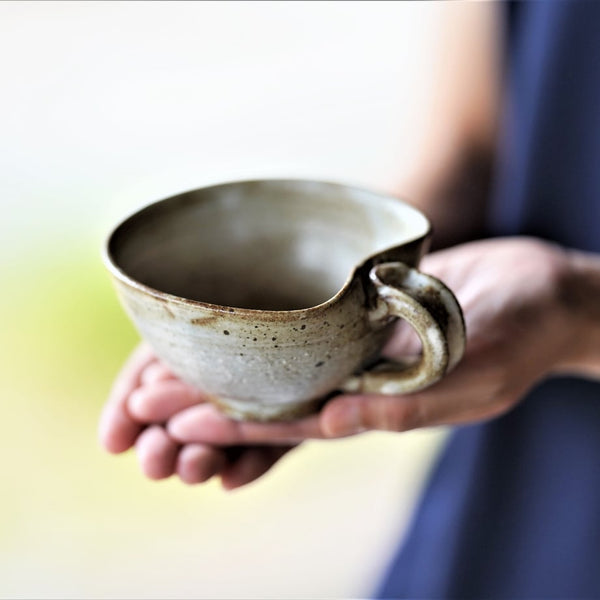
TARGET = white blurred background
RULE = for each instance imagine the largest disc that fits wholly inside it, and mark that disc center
(109, 105)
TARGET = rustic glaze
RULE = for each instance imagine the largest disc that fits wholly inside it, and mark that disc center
(269, 295)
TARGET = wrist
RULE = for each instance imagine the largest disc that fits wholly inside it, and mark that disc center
(579, 296)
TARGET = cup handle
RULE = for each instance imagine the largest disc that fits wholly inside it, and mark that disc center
(432, 310)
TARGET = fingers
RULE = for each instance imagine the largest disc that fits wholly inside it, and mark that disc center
(147, 392)
(155, 372)
(157, 453)
(251, 464)
(349, 415)
(197, 463)
(160, 457)
(205, 424)
(117, 430)
(467, 394)
(404, 343)
(237, 466)
(162, 398)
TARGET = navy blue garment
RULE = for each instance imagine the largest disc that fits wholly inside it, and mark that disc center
(512, 509)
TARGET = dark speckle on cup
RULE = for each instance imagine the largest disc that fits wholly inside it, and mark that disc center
(205, 272)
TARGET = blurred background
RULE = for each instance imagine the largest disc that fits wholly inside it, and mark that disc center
(106, 107)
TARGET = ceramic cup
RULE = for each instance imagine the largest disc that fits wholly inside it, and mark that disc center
(270, 295)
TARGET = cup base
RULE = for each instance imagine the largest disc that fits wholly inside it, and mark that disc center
(241, 410)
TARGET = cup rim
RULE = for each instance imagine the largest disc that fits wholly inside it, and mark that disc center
(121, 276)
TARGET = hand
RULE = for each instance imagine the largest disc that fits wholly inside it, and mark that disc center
(146, 393)
(519, 330)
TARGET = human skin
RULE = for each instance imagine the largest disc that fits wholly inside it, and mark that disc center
(530, 309)
(142, 392)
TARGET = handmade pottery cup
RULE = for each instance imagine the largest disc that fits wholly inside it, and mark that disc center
(271, 295)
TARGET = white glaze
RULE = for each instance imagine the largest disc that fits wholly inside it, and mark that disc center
(258, 293)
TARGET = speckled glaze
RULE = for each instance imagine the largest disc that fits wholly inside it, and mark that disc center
(271, 295)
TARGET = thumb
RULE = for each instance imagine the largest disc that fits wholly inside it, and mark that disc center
(348, 415)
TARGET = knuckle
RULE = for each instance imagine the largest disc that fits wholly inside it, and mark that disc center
(416, 413)
(391, 414)
(506, 402)
(501, 401)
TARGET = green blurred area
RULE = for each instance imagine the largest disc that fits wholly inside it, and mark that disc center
(89, 525)
(64, 312)
(65, 336)
(105, 107)
(70, 507)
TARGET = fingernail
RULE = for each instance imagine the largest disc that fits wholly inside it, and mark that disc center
(147, 374)
(136, 404)
(185, 424)
(344, 420)
(175, 427)
(227, 487)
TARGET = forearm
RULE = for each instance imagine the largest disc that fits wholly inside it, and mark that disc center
(456, 202)
(448, 176)
(580, 295)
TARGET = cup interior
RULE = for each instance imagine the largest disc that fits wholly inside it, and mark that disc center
(270, 245)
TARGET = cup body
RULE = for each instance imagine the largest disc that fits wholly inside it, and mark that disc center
(258, 293)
